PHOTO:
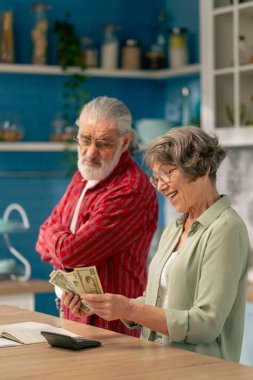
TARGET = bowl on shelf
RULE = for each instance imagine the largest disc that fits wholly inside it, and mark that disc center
(10, 131)
(149, 129)
(67, 135)
(10, 135)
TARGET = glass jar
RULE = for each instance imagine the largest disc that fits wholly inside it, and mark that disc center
(10, 127)
(39, 33)
(178, 47)
(110, 47)
(154, 58)
(7, 45)
(131, 55)
(57, 128)
(89, 54)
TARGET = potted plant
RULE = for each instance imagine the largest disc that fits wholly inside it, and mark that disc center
(74, 94)
(69, 54)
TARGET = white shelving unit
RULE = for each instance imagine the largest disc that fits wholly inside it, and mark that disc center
(57, 70)
(227, 71)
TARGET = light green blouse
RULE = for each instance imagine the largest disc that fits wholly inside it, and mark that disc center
(206, 283)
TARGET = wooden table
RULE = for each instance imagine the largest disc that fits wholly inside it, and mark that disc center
(22, 293)
(120, 357)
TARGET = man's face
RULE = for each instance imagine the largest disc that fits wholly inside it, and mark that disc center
(100, 147)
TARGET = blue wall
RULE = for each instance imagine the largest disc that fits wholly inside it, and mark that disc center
(28, 178)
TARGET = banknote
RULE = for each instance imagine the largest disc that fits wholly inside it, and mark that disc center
(89, 279)
(52, 273)
(80, 281)
(78, 289)
(74, 282)
(58, 278)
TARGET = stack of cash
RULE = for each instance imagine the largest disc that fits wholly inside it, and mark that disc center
(80, 281)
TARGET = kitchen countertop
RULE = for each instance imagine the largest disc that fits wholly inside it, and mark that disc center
(119, 357)
(19, 287)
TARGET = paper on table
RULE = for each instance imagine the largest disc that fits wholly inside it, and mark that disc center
(29, 332)
(8, 343)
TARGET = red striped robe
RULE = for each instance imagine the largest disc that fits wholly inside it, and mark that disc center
(116, 223)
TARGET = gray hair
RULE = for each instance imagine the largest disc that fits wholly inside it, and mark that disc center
(102, 108)
(190, 149)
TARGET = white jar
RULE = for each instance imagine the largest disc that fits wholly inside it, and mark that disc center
(110, 47)
(178, 48)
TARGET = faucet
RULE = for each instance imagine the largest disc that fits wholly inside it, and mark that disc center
(26, 225)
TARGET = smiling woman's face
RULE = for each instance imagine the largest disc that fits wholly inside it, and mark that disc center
(182, 193)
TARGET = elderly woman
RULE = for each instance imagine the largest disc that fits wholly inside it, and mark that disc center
(195, 296)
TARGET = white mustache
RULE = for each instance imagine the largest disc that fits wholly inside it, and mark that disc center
(95, 161)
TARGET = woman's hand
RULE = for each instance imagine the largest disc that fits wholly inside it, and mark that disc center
(73, 302)
(108, 306)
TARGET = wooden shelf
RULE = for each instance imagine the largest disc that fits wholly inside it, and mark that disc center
(223, 10)
(118, 73)
(230, 8)
(231, 70)
(35, 147)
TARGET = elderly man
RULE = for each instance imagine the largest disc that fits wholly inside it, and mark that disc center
(108, 215)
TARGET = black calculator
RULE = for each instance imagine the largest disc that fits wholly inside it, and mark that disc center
(69, 342)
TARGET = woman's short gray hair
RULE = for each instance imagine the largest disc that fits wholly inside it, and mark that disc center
(110, 109)
(194, 152)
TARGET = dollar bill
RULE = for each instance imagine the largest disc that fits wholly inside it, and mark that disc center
(89, 279)
(58, 278)
(80, 281)
(78, 289)
(74, 282)
(52, 273)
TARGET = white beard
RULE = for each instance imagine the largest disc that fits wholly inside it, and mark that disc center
(102, 170)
